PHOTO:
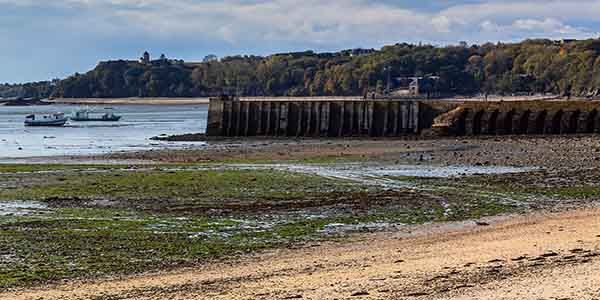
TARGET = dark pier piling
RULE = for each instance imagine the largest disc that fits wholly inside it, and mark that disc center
(313, 118)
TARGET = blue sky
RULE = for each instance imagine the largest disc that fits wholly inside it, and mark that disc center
(44, 39)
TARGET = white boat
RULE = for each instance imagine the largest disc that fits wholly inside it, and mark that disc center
(87, 115)
(55, 119)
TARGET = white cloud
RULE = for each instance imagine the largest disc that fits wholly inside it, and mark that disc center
(533, 28)
(546, 25)
(330, 23)
(441, 23)
(490, 26)
(509, 19)
(281, 20)
(76, 33)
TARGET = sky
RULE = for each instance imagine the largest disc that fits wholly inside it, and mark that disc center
(45, 39)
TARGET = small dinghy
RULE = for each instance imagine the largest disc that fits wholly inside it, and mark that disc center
(56, 119)
(85, 115)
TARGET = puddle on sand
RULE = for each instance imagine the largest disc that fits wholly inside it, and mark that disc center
(443, 171)
(340, 228)
(20, 208)
(353, 170)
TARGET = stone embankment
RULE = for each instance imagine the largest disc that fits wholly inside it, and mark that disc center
(527, 118)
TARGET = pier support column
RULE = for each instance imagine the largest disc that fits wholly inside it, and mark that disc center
(405, 113)
(215, 122)
(360, 117)
(324, 118)
(348, 115)
(394, 109)
(370, 118)
(342, 118)
(504, 123)
(311, 121)
(386, 117)
(416, 110)
(259, 118)
(283, 118)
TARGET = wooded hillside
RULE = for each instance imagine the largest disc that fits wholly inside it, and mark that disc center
(571, 67)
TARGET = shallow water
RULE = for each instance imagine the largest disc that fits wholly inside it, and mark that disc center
(132, 133)
(375, 174)
(20, 208)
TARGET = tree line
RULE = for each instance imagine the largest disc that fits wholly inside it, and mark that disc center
(531, 66)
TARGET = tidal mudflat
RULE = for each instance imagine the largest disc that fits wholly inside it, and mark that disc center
(106, 220)
(233, 205)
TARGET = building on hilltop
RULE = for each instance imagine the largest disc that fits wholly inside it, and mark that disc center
(563, 42)
(357, 52)
(163, 60)
(210, 58)
(422, 87)
(145, 59)
(426, 86)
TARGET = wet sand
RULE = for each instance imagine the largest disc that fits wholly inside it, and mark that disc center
(524, 257)
(570, 152)
(550, 152)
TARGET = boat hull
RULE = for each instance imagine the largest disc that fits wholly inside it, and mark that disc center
(53, 123)
(115, 119)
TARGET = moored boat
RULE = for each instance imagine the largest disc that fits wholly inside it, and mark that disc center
(86, 115)
(55, 119)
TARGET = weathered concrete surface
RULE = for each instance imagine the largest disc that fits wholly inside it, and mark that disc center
(393, 118)
(311, 118)
(524, 117)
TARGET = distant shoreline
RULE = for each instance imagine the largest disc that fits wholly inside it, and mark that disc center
(145, 101)
(206, 100)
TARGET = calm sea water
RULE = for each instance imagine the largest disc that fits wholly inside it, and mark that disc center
(132, 133)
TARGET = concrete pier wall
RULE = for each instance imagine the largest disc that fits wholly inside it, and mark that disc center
(527, 117)
(341, 117)
(313, 118)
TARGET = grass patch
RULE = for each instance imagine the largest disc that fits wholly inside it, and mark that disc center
(573, 192)
(28, 168)
(123, 222)
(178, 189)
(92, 242)
(36, 250)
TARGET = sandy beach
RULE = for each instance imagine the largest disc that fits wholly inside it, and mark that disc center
(525, 257)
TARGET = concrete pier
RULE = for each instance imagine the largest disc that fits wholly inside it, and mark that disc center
(313, 118)
(531, 118)
(345, 117)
